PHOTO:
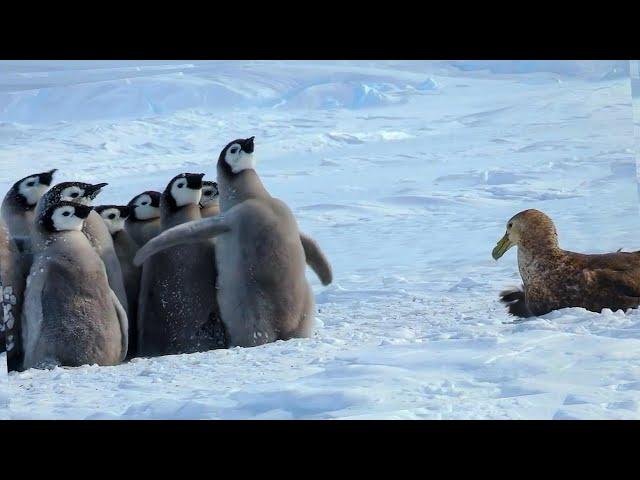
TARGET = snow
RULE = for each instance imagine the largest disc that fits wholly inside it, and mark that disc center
(405, 173)
(4, 388)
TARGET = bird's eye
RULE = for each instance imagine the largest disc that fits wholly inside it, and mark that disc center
(31, 184)
(145, 203)
(112, 216)
(74, 195)
(234, 150)
(510, 225)
(66, 214)
(180, 185)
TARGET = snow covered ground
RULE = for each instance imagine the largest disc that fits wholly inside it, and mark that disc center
(405, 173)
(4, 388)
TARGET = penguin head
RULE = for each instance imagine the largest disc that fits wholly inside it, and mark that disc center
(210, 194)
(145, 206)
(65, 216)
(184, 189)
(238, 155)
(113, 216)
(29, 189)
(83, 193)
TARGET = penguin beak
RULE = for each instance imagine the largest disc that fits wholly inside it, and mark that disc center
(82, 211)
(47, 177)
(93, 190)
(247, 145)
(194, 180)
(502, 246)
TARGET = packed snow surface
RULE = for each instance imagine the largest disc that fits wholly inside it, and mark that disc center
(406, 174)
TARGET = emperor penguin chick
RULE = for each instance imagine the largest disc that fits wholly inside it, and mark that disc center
(262, 290)
(18, 206)
(177, 311)
(210, 201)
(71, 316)
(114, 217)
(93, 227)
(143, 222)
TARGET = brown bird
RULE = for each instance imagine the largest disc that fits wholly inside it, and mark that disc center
(554, 278)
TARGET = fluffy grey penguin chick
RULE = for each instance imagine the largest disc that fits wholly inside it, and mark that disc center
(71, 316)
(143, 222)
(261, 255)
(18, 206)
(210, 201)
(93, 227)
(177, 311)
(114, 217)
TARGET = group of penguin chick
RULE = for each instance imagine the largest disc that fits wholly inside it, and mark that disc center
(203, 265)
(208, 265)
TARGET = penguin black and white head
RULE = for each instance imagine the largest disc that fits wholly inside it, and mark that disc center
(113, 216)
(79, 192)
(238, 156)
(64, 216)
(184, 189)
(26, 192)
(210, 194)
(145, 206)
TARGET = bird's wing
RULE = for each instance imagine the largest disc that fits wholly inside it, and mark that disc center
(625, 283)
(124, 324)
(316, 259)
(190, 232)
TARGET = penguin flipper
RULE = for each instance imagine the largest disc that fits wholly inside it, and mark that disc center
(124, 325)
(190, 232)
(316, 259)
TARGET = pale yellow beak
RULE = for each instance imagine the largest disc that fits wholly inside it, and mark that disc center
(503, 245)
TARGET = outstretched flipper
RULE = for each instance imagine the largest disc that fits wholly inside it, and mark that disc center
(124, 325)
(316, 259)
(514, 299)
(190, 232)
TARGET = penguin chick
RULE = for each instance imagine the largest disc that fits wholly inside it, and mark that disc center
(178, 312)
(71, 317)
(114, 217)
(143, 222)
(18, 206)
(210, 201)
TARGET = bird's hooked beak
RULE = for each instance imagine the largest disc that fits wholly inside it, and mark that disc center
(502, 246)
(247, 145)
(93, 191)
(46, 177)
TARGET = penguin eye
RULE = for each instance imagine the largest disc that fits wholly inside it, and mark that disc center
(112, 216)
(74, 195)
(145, 203)
(66, 214)
(234, 150)
(31, 184)
(510, 225)
(180, 185)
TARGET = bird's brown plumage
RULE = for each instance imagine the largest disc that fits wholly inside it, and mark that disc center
(555, 278)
